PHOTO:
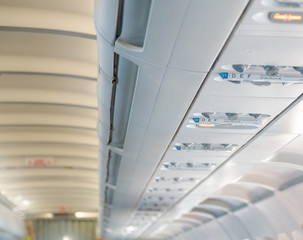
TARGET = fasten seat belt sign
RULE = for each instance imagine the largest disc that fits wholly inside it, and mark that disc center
(286, 17)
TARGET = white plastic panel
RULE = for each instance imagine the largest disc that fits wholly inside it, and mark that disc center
(148, 83)
(215, 231)
(257, 35)
(255, 223)
(157, 136)
(264, 147)
(286, 221)
(291, 122)
(291, 199)
(203, 35)
(274, 176)
(105, 59)
(233, 226)
(106, 19)
(165, 19)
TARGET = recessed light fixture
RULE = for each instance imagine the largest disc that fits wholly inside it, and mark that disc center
(25, 203)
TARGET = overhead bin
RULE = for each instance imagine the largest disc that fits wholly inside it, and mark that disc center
(141, 50)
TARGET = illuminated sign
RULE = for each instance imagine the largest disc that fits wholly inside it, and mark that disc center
(39, 162)
(286, 17)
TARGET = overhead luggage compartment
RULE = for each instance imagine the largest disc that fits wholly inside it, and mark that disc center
(153, 58)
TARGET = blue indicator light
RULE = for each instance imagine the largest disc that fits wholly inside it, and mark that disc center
(196, 120)
(166, 165)
(224, 75)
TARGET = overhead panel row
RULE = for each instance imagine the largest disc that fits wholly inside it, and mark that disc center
(151, 65)
(256, 77)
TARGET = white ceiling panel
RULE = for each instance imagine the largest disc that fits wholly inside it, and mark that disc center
(39, 88)
(48, 104)
(264, 147)
(291, 122)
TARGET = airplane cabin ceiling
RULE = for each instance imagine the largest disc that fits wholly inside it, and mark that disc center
(174, 119)
(48, 106)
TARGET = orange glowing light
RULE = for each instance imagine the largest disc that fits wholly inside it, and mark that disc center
(206, 125)
(287, 17)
